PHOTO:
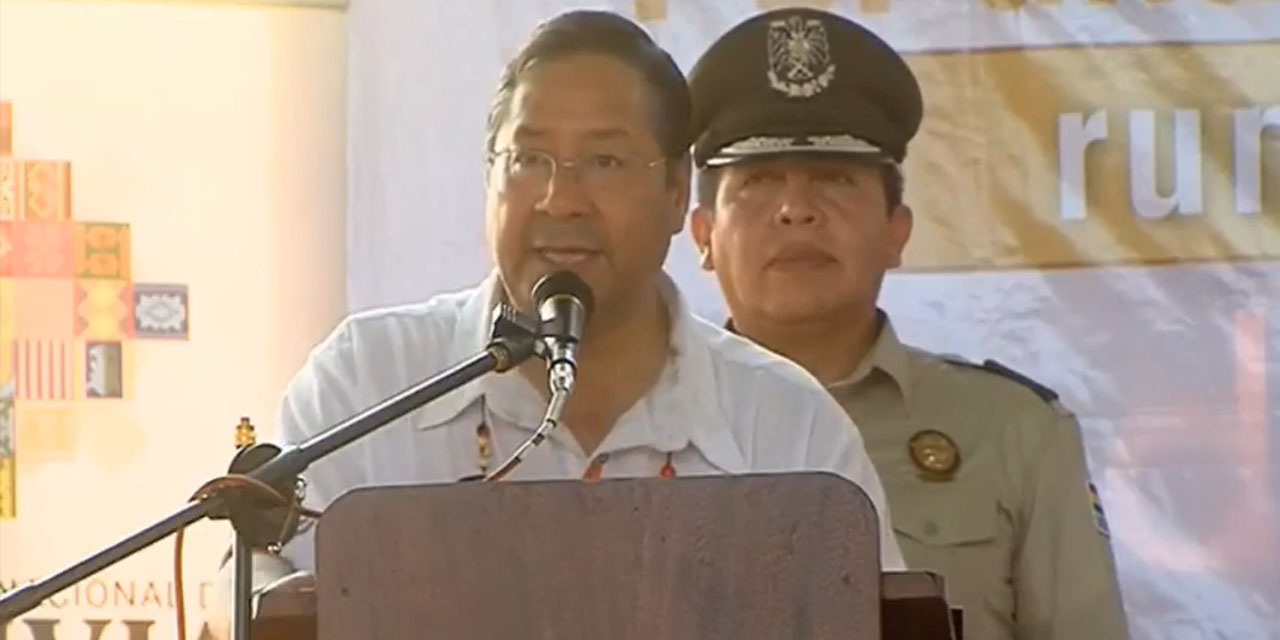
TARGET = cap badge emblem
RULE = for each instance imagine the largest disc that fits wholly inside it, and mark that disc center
(799, 57)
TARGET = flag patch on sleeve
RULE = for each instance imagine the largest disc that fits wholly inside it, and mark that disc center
(1099, 517)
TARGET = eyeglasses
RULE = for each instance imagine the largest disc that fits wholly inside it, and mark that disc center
(597, 172)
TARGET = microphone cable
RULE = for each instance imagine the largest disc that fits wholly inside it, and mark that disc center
(550, 420)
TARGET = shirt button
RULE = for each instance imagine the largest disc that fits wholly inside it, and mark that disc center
(930, 528)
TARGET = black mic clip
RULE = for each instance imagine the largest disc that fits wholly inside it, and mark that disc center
(516, 331)
(266, 516)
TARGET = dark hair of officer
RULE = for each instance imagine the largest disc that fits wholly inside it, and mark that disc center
(604, 33)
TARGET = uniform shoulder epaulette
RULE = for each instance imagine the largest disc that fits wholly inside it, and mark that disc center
(991, 366)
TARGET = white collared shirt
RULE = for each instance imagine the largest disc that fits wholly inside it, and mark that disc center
(722, 406)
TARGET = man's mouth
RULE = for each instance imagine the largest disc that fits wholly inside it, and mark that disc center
(800, 257)
(566, 256)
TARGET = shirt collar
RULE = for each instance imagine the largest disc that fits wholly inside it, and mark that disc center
(681, 406)
(467, 336)
(887, 354)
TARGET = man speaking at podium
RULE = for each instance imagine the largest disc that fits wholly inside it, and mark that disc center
(801, 122)
(588, 171)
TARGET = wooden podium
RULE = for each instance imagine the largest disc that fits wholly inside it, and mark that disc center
(736, 557)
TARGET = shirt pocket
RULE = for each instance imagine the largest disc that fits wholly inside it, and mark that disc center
(945, 516)
(959, 532)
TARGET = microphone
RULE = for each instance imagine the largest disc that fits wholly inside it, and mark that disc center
(564, 303)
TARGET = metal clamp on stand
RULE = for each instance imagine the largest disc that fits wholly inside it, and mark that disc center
(265, 519)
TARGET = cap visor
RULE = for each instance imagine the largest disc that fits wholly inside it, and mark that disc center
(754, 130)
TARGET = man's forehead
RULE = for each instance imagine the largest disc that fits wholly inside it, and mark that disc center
(599, 107)
(591, 126)
(576, 78)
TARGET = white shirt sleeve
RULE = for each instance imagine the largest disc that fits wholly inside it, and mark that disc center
(322, 394)
(836, 445)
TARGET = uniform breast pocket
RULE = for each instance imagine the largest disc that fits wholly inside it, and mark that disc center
(931, 519)
(961, 534)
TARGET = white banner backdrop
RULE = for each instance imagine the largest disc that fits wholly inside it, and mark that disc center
(1160, 329)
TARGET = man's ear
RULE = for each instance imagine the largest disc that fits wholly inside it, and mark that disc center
(700, 224)
(901, 221)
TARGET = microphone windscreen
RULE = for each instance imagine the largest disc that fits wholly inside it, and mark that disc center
(562, 283)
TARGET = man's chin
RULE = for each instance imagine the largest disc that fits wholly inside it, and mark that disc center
(590, 270)
(802, 309)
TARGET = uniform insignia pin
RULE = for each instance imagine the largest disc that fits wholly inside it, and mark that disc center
(800, 63)
(935, 454)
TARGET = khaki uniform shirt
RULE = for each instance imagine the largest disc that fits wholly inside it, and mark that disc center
(1016, 528)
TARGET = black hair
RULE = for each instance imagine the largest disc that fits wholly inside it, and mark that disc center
(606, 33)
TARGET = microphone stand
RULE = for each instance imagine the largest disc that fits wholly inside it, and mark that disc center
(514, 340)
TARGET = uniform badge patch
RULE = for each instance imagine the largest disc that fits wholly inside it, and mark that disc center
(935, 454)
(799, 57)
(1099, 517)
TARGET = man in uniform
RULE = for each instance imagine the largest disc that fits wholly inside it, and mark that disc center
(801, 122)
